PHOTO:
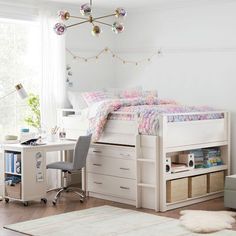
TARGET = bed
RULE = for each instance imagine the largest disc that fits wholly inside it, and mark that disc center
(149, 128)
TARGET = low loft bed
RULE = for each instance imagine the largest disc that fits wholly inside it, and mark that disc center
(146, 157)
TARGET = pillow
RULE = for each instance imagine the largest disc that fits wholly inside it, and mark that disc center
(77, 100)
(131, 92)
(112, 93)
(150, 93)
(94, 97)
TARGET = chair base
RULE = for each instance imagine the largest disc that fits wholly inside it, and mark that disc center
(75, 190)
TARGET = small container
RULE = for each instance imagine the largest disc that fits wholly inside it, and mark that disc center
(62, 134)
(52, 138)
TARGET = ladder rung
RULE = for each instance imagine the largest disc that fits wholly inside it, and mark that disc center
(146, 185)
(146, 160)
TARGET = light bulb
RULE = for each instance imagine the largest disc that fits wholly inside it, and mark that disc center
(96, 30)
(64, 15)
(85, 9)
(117, 27)
(120, 12)
(59, 28)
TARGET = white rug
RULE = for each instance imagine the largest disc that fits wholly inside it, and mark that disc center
(207, 221)
(106, 221)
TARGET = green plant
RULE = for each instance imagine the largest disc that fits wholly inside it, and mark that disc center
(34, 118)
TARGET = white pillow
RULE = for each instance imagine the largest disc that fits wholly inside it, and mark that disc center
(76, 100)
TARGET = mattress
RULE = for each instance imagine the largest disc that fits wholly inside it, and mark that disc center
(148, 113)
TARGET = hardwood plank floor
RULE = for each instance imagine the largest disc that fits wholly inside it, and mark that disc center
(15, 212)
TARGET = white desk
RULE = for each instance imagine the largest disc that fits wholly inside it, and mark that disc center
(33, 168)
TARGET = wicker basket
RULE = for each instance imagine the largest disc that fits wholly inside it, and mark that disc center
(13, 191)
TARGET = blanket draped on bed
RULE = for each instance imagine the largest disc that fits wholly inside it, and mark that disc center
(147, 111)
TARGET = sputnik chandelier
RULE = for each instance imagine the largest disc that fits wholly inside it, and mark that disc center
(86, 12)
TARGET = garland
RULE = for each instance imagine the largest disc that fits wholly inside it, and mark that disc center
(114, 56)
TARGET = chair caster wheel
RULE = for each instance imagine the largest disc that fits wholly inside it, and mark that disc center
(54, 202)
(44, 200)
(81, 200)
(26, 204)
(6, 200)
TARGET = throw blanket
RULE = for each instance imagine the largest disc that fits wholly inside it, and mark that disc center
(148, 111)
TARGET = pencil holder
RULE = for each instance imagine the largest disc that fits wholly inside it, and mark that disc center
(52, 137)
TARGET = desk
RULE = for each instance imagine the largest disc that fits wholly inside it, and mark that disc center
(33, 169)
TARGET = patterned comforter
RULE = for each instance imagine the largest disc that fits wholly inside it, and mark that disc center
(148, 112)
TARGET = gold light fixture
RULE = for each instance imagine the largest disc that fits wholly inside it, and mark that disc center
(86, 12)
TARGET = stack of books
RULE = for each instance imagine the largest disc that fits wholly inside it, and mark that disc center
(212, 157)
(198, 158)
(12, 163)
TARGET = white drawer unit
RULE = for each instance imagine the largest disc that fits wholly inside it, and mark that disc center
(113, 186)
(112, 151)
(111, 166)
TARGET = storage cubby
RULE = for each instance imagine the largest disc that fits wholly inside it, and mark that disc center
(177, 190)
(215, 181)
(13, 191)
(198, 184)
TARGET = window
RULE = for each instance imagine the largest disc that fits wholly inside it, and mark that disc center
(20, 62)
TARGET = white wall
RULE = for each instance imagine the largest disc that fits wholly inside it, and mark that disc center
(93, 75)
(196, 78)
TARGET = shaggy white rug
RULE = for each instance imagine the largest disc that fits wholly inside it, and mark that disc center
(207, 221)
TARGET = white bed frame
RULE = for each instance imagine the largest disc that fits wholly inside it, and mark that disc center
(151, 151)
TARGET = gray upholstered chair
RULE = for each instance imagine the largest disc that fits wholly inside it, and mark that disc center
(79, 162)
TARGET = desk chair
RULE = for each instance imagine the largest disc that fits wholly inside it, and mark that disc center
(79, 162)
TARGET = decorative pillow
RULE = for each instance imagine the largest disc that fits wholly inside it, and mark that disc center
(131, 92)
(77, 100)
(93, 97)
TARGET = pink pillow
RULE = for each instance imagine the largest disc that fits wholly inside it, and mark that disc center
(131, 93)
(93, 97)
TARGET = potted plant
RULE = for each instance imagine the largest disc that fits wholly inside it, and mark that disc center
(34, 118)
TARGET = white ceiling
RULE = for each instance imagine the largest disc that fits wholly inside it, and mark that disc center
(139, 4)
(123, 3)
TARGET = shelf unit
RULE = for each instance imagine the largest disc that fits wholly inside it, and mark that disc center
(29, 188)
(13, 191)
(206, 136)
(164, 206)
(195, 172)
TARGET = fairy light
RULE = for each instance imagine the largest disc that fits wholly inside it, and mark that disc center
(115, 56)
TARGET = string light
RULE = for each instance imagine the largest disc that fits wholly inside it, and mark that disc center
(115, 56)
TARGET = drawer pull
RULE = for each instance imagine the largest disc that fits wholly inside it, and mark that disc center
(122, 187)
(95, 182)
(122, 168)
(125, 155)
(95, 151)
(97, 164)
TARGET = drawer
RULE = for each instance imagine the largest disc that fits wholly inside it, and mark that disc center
(111, 166)
(114, 186)
(113, 151)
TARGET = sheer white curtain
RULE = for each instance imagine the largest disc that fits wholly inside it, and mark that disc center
(53, 80)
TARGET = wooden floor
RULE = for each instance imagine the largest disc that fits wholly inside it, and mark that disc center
(14, 212)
